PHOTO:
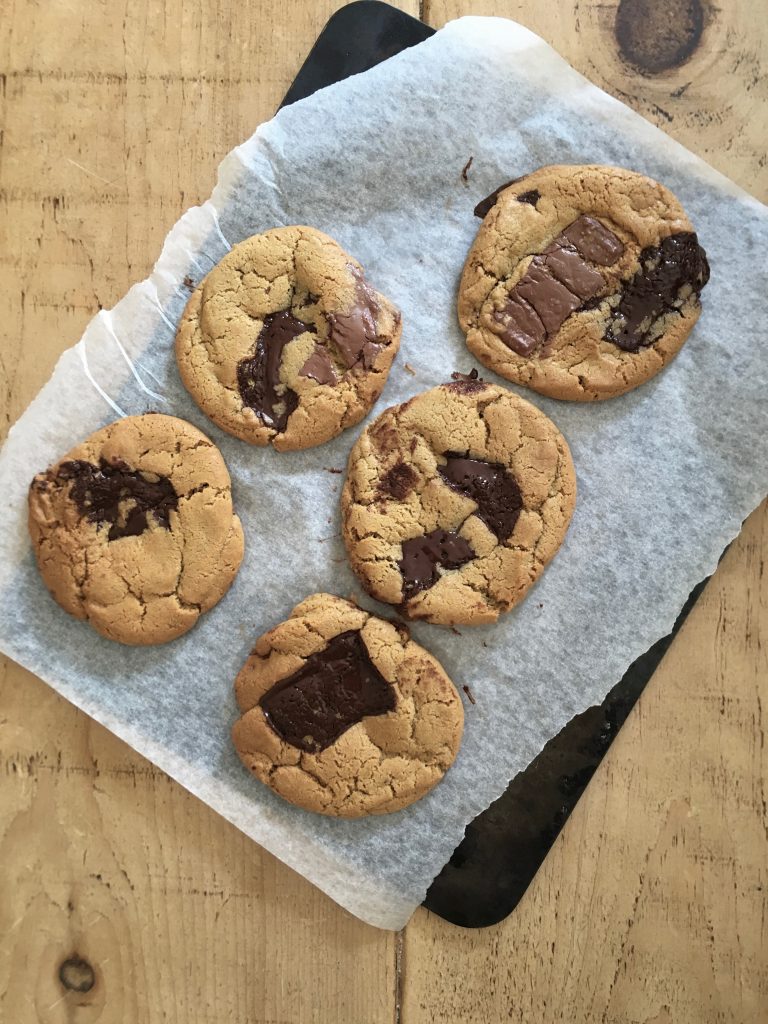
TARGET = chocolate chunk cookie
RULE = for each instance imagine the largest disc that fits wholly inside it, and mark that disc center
(455, 501)
(343, 714)
(582, 283)
(285, 342)
(134, 531)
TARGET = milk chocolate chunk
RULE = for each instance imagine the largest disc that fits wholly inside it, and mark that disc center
(422, 556)
(319, 367)
(553, 302)
(594, 240)
(354, 333)
(112, 493)
(564, 263)
(489, 484)
(332, 691)
(258, 376)
(518, 325)
(668, 273)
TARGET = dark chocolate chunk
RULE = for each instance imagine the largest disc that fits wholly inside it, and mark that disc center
(553, 302)
(491, 486)
(489, 202)
(594, 241)
(398, 481)
(354, 333)
(319, 367)
(112, 493)
(332, 691)
(520, 327)
(665, 270)
(531, 197)
(422, 555)
(258, 376)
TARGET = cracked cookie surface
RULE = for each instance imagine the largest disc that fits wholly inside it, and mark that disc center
(455, 501)
(343, 714)
(583, 281)
(134, 531)
(284, 342)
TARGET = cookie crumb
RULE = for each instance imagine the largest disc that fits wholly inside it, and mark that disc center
(454, 630)
(188, 282)
(409, 369)
(484, 644)
(469, 693)
(465, 170)
(332, 469)
(541, 606)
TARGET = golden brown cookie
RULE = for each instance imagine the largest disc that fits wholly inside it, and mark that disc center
(284, 342)
(134, 530)
(455, 501)
(583, 281)
(343, 714)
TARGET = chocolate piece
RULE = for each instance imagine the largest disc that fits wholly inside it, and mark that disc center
(398, 481)
(531, 197)
(354, 333)
(332, 691)
(551, 299)
(564, 263)
(422, 555)
(489, 202)
(665, 270)
(319, 367)
(258, 376)
(491, 486)
(557, 282)
(466, 383)
(594, 241)
(519, 325)
(112, 493)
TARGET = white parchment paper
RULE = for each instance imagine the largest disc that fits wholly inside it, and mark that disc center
(666, 473)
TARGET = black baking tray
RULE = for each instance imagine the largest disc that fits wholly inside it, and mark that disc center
(504, 846)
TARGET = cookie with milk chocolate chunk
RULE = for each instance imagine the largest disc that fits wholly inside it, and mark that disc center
(134, 529)
(343, 714)
(455, 501)
(285, 342)
(583, 281)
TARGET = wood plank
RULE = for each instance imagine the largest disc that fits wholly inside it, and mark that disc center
(177, 916)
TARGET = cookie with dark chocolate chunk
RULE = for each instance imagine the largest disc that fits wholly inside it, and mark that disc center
(455, 501)
(343, 714)
(134, 529)
(285, 342)
(583, 281)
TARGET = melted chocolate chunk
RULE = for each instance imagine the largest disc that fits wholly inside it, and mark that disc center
(399, 481)
(258, 376)
(531, 197)
(354, 333)
(594, 241)
(422, 555)
(491, 486)
(113, 493)
(332, 691)
(489, 202)
(319, 367)
(665, 269)
(558, 282)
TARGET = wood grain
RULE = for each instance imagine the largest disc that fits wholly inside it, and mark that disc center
(123, 898)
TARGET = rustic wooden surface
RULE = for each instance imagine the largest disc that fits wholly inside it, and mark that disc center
(126, 901)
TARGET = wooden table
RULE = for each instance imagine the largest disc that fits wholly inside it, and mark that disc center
(125, 900)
